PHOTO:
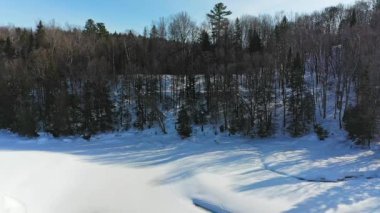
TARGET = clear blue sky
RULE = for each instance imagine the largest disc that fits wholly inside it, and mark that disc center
(119, 15)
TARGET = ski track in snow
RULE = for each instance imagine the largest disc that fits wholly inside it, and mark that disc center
(319, 180)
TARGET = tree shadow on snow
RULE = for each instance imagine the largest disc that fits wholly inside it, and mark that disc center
(252, 163)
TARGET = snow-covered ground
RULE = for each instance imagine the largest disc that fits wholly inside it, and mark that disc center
(145, 172)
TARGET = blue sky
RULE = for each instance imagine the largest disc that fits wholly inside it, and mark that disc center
(120, 15)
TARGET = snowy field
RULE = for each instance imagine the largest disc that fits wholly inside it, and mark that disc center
(145, 172)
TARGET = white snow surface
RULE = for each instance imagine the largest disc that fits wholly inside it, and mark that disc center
(150, 172)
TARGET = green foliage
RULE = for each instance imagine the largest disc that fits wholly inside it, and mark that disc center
(98, 108)
(204, 41)
(25, 121)
(92, 28)
(301, 102)
(281, 29)
(321, 132)
(40, 36)
(7, 100)
(265, 127)
(359, 124)
(255, 43)
(200, 115)
(9, 49)
(218, 20)
(153, 32)
(353, 18)
(360, 120)
(238, 35)
(75, 114)
(184, 123)
(66, 77)
(58, 115)
(140, 117)
(101, 30)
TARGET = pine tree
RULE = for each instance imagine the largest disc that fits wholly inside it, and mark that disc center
(154, 32)
(9, 49)
(101, 30)
(58, 118)
(90, 27)
(184, 123)
(7, 100)
(353, 18)
(76, 119)
(40, 35)
(103, 108)
(301, 104)
(25, 121)
(219, 21)
(238, 35)
(255, 43)
(204, 41)
(360, 120)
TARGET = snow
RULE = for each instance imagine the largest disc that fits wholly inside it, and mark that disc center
(151, 172)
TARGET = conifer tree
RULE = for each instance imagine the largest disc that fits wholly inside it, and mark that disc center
(219, 22)
(255, 43)
(300, 104)
(7, 100)
(90, 27)
(25, 121)
(238, 35)
(58, 119)
(184, 123)
(9, 49)
(40, 35)
(204, 41)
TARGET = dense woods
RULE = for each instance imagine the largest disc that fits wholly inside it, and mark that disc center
(253, 75)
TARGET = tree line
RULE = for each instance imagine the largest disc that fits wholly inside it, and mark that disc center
(250, 75)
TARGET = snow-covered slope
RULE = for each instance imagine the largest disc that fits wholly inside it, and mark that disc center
(146, 172)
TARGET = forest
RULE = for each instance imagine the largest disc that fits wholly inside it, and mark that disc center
(253, 76)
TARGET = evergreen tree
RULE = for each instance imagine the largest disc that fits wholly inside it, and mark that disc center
(360, 120)
(25, 121)
(103, 108)
(184, 123)
(90, 27)
(75, 114)
(238, 35)
(219, 21)
(301, 103)
(101, 30)
(7, 100)
(58, 118)
(40, 35)
(154, 32)
(255, 43)
(353, 18)
(204, 41)
(9, 49)
(358, 125)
